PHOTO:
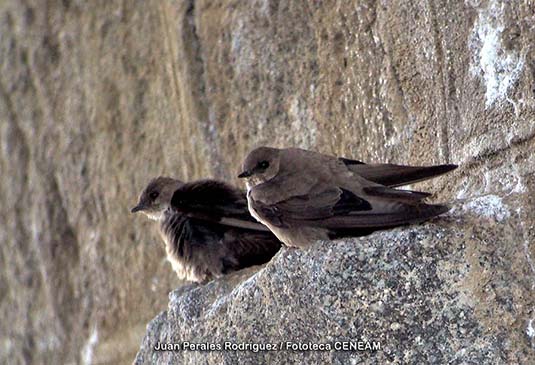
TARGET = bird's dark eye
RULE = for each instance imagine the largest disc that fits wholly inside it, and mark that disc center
(154, 195)
(263, 165)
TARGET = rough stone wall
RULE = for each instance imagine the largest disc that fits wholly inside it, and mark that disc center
(97, 97)
(438, 293)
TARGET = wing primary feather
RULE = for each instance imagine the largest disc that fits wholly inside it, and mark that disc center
(349, 202)
(398, 175)
(349, 162)
(389, 193)
(416, 214)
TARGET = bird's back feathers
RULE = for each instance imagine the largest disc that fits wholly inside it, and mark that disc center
(215, 201)
(209, 231)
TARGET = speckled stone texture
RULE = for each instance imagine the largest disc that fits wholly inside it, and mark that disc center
(97, 97)
(420, 292)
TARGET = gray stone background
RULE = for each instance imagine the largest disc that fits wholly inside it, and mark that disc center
(98, 97)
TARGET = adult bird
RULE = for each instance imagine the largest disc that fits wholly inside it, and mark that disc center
(303, 196)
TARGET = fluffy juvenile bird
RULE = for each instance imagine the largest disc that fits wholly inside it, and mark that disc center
(207, 229)
(303, 196)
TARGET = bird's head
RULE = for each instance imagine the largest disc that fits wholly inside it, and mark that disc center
(261, 165)
(156, 197)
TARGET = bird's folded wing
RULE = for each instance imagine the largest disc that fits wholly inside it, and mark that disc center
(348, 161)
(216, 202)
(311, 207)
(384, 192)
(340, 208)
(248, 249)
(395, 175)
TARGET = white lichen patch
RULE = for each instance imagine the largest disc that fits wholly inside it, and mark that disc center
(530, 331)
(499, 68)
(489, 206)
(513, 182)
(87, 352)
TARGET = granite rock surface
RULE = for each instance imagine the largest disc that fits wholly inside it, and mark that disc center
(431, 294)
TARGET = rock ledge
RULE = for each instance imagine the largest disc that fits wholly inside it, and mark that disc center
(425, 294)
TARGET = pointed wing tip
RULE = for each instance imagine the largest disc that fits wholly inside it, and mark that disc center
(448, 167)
(434, 171)
(348, 161)
(439, 209)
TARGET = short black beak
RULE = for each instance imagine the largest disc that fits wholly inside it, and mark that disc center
(245, 174)
(137, 208)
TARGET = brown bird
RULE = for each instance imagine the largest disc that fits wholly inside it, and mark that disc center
(303, 196)
(207, 229)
